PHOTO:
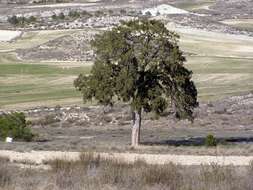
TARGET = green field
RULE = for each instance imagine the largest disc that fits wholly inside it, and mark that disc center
(222, 63)
(219, 77)
(29, 84)
(191, 5)
(222, 66)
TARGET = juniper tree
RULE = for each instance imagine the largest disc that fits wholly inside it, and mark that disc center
(139, 62)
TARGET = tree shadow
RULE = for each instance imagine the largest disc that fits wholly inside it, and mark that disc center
(198, 141)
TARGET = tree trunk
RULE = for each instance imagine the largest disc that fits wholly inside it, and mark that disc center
(136, 128)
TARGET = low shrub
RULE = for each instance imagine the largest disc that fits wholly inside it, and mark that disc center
(61, 16)
(14, 125)
(46, 120)
(21, 21)
(210, 141)
(74, 14)
(123, 12)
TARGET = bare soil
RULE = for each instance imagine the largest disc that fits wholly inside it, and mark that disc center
(109, 129)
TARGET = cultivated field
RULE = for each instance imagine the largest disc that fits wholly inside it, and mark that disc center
(222, 66)
(240, 23)
(30, 83)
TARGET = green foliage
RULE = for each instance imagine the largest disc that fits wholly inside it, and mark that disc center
(74, 14)
(61, 16)
(20, 21)
(13, 20)
(148, 14)
(54, 16)
(32, 19)
(122, 11)
(210, 141)
(99, 13)
(140, 62)
(14, 125)
(110, 12)
(86, 13)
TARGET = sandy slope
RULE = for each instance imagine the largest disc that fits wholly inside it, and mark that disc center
(39, 156)
(7, 35)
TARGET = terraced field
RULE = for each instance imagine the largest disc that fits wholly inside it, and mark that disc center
(222, 66)
(222, 63)
(191, 5)
(240, 23)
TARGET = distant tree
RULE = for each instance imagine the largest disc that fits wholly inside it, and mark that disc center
(54, 16)
(86, 13)
(139, 62)
(13, 20)
(61, 16)
(123, 12)
(99, 13)
(110, 12)
(74, 14)
(31, 19)
(148, 14)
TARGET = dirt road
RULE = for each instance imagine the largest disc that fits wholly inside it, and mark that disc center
(37, 157)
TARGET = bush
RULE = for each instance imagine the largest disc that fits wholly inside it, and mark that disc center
(122, 11)
(54, 16)
(61, 16)
(74, 14)
(14, 125)
(31, 19)
(13, 20)
(210, 141)
(86, 14)
(99, 13)
(148, 14)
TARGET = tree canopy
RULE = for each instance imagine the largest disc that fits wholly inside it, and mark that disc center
(139, 62)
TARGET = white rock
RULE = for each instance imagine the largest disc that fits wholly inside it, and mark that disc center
(8, 140)
(8, 35)
(164, 9)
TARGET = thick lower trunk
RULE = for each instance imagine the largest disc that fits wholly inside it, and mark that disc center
(136, 128)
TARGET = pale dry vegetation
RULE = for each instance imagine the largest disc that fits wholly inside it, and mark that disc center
(94, 172)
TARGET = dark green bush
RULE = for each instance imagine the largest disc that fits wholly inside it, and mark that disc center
(122, 11)
(74, 14)
(13, 20)
(54, 16)
(86, 14)
(210, 141)
(99, 13)
(31, 19)
(14, 125)
(61, 16)
(21, 21)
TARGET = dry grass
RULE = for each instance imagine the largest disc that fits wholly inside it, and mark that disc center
(5, 174)
(93, 172)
